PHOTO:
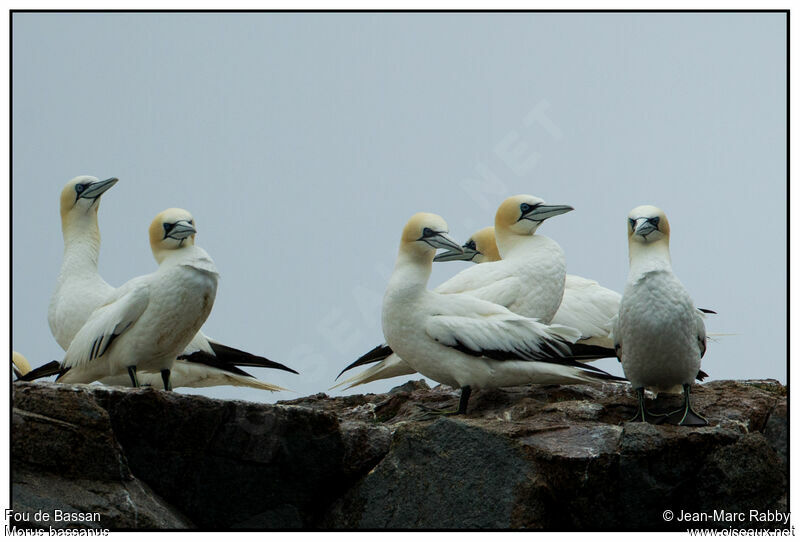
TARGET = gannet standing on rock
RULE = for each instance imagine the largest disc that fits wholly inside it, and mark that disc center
(659, 335)
(80, 288)
(529, 281)
(462, 341)
(148, 321)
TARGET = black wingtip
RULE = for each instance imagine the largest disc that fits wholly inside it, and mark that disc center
(379, 353)
(234, 356)
(591, 351)
(48, 369)
(701, 375)
(707, 311)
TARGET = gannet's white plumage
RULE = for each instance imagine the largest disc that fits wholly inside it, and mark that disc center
(80, 289)
(659, 335)
(585, 305)
(147, 322)
(19, 364)
(459, 340)
(529, 281)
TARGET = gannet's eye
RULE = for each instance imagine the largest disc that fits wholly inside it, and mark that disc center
(79, 188)
(632, 223)
(168, 227)
(427, 232)
(654, 221)
(525, 207)
(470, 245)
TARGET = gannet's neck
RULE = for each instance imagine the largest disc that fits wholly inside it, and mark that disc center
(509, 243)
(81, 242)
(411, 272)
(646, 257)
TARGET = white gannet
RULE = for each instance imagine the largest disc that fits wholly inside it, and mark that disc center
(19, 364)
(148, 321)
(80, 289)
(466, 342)
(528, 281)
(659, 334)
(481, 247)
(585, 305)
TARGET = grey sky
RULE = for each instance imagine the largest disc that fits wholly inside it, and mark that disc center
(302, 143)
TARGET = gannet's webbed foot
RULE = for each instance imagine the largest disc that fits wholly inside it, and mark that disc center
(132, 374)
(686, 415)
(462, 406)
(165, 378)
(642, 414)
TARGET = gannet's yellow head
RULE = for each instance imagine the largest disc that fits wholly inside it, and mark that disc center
(171, 229)
(480, 248)
(522, 214)
(484, 242)
(424, 233)
(81, 196)
(19, 364)
(647, 224)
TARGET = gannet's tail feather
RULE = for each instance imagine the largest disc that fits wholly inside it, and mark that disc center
(390, 367)
(229, 358)
(48, 369)
(379, 353)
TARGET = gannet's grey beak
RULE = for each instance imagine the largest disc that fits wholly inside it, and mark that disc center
(95, 190)
(466, 254)
(180, 230)
(645, 226)
(441, 240)
(542, 212)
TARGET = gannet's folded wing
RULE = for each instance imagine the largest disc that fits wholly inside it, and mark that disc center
(501, 336)
(106, 324)
(488, 281)
(589, 308)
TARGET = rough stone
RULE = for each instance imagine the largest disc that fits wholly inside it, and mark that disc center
(535, 457)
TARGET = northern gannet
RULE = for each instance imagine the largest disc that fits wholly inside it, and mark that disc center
(80, 289)
(659, 334)
(529, 281)
(148, 321)
(19, 364)
(479, 248)
(466, 342)
(585, 305)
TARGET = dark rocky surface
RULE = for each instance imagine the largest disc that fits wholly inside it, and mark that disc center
(552, 457)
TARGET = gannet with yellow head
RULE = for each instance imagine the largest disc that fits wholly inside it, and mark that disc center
(460, 340)
(529, 279)
(529, 282)
(659, 335)
(19, 364)
(147, 322)
(80, 289)
(479, 248)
